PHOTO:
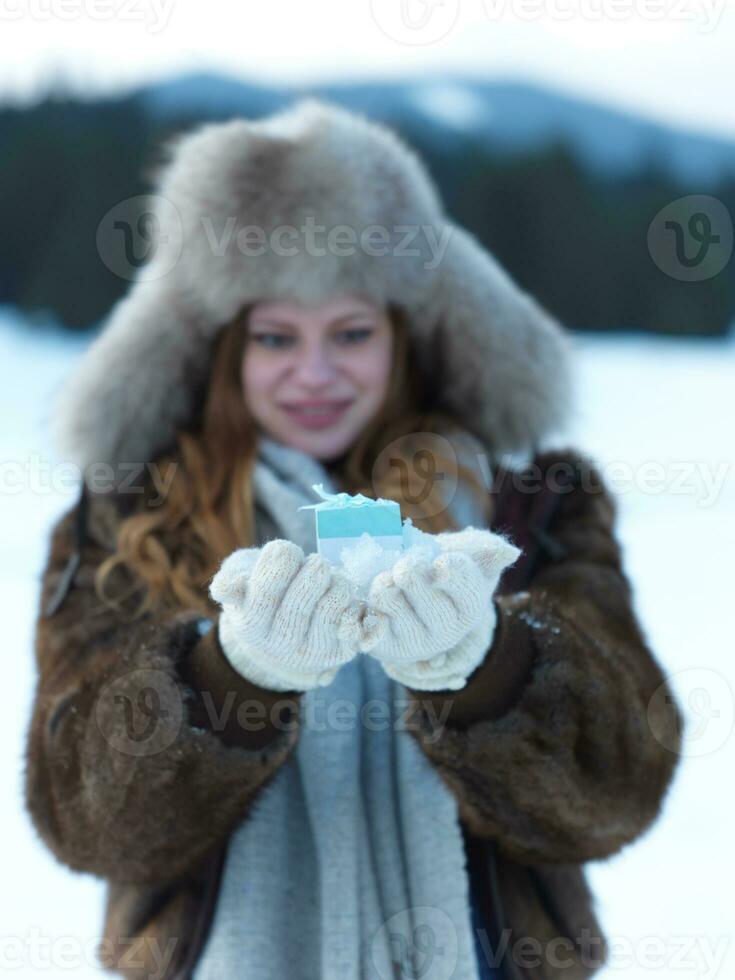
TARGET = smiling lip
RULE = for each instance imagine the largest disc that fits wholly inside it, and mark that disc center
(316, 414)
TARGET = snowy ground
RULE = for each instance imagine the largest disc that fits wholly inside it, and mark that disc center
(658, 415)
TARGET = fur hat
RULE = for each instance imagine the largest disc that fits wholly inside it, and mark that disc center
(309, 202)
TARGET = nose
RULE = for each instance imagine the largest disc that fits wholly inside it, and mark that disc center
(314, 366)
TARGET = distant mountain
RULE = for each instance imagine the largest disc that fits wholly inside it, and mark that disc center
(210, 95)
(510, 117)
(564, 192)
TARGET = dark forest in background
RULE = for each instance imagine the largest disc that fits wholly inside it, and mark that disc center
(561, 191)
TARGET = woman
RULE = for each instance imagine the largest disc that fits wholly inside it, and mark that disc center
(276, 777)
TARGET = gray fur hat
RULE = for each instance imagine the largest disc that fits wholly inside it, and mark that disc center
(309, 202)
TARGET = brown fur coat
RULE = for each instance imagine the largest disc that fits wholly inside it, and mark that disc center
(560, 749)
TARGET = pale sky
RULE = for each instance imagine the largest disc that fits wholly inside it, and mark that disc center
(673, 60)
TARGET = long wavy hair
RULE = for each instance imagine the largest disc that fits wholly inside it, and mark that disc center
(168, 554)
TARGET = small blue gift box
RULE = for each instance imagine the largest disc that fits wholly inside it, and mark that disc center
(342, 519)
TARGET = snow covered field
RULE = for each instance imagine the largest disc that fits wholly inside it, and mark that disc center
(658, 415)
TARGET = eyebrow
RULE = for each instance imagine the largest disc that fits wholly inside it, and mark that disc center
(267, 321)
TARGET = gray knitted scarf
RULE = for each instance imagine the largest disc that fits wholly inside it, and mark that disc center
(351, 862)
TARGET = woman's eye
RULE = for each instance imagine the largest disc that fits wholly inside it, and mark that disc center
(272, 341)
(355, 335)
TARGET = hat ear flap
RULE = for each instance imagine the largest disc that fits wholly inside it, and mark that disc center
(509, 361)
(135, 384)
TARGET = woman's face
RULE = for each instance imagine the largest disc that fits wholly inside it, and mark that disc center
(314, 376)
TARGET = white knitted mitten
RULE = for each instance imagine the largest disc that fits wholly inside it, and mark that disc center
(288, 621)
(438, 615)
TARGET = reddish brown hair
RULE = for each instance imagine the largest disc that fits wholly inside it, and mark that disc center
(173, 549)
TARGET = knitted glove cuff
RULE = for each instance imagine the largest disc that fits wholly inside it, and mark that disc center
(264, 671)
(450, 670)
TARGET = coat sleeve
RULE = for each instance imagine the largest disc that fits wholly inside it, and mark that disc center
(145, 748)
(563, 743)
